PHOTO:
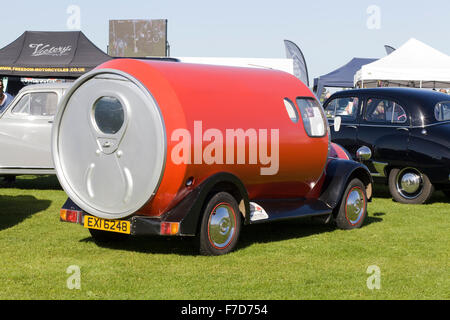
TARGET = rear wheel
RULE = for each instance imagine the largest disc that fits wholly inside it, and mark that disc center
(410, 186)
(220, 226)
(352, 211)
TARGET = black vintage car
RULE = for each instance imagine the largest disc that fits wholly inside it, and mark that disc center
(401, 134)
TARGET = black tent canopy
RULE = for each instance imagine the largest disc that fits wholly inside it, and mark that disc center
(66, 54)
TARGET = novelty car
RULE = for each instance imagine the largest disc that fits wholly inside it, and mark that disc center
(406, 131)
(25, 130)
(177, 149)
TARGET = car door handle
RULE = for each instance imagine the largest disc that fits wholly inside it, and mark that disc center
(402, 129)
(351, 126)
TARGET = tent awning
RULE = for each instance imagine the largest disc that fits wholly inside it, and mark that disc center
(413, 64)
(50, 54)
(342, 77)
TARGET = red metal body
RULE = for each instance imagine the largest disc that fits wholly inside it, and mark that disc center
(225, 98)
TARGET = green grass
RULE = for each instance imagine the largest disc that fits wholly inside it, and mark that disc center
(286, 260)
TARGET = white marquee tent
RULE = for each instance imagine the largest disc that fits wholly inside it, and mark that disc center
(414, 64)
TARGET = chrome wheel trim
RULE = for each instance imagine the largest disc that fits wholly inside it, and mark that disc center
(222, 226)
(355, 205)
(409, 183)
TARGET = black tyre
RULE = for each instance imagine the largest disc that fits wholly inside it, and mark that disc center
(9, 180)
(220, 225)
(446, 193)
(352, 210)
(410, 186)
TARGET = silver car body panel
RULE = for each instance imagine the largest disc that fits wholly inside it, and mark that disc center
(25, 139)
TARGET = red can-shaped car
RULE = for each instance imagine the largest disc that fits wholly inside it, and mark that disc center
(152, 147)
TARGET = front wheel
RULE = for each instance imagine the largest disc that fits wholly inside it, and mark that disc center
(220, 226)
(352, 211)
(410, 186)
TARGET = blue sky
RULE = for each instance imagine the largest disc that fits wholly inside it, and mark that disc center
(329, 33)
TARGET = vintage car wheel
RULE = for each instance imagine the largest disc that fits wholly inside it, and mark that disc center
(221, 224)
(353, 207)
(409, 185)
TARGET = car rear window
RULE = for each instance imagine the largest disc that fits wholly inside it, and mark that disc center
(109, 115)
(442, 111)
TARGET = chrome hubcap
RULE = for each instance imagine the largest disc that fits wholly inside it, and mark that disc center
(222, 225)
(355, 205)
(409, 183)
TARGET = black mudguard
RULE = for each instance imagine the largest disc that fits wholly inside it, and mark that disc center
(189, 211)
(339, 173)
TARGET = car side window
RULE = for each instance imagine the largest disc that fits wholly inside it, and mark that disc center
(313, 117)
(37, 104)
(442, 111)
(43, 103)
(23, 106)
(291, 110)
(384, 111)
(398, 114)
(347, 108)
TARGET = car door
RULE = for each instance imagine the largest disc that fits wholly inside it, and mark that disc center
(385, 129)
(25, 131)
(348, 109)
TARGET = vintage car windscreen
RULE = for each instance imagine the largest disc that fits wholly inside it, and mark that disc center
(346, 107)
(37, 104)
(313, 117)
(109, 115)
(442, 111)
(384, 111)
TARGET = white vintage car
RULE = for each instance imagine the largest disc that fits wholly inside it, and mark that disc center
(25, 130)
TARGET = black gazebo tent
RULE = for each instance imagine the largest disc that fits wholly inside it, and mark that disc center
(342, 77)
(50, 54)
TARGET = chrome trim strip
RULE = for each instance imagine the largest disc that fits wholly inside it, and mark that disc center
(393, 125)
(434, 124)
(399, 125)
(25, 171)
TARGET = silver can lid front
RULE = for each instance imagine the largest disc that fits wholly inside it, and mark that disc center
(109, 144)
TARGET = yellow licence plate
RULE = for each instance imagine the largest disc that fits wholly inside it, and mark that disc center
(119, 226)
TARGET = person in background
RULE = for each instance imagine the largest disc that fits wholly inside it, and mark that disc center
(5, 98)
